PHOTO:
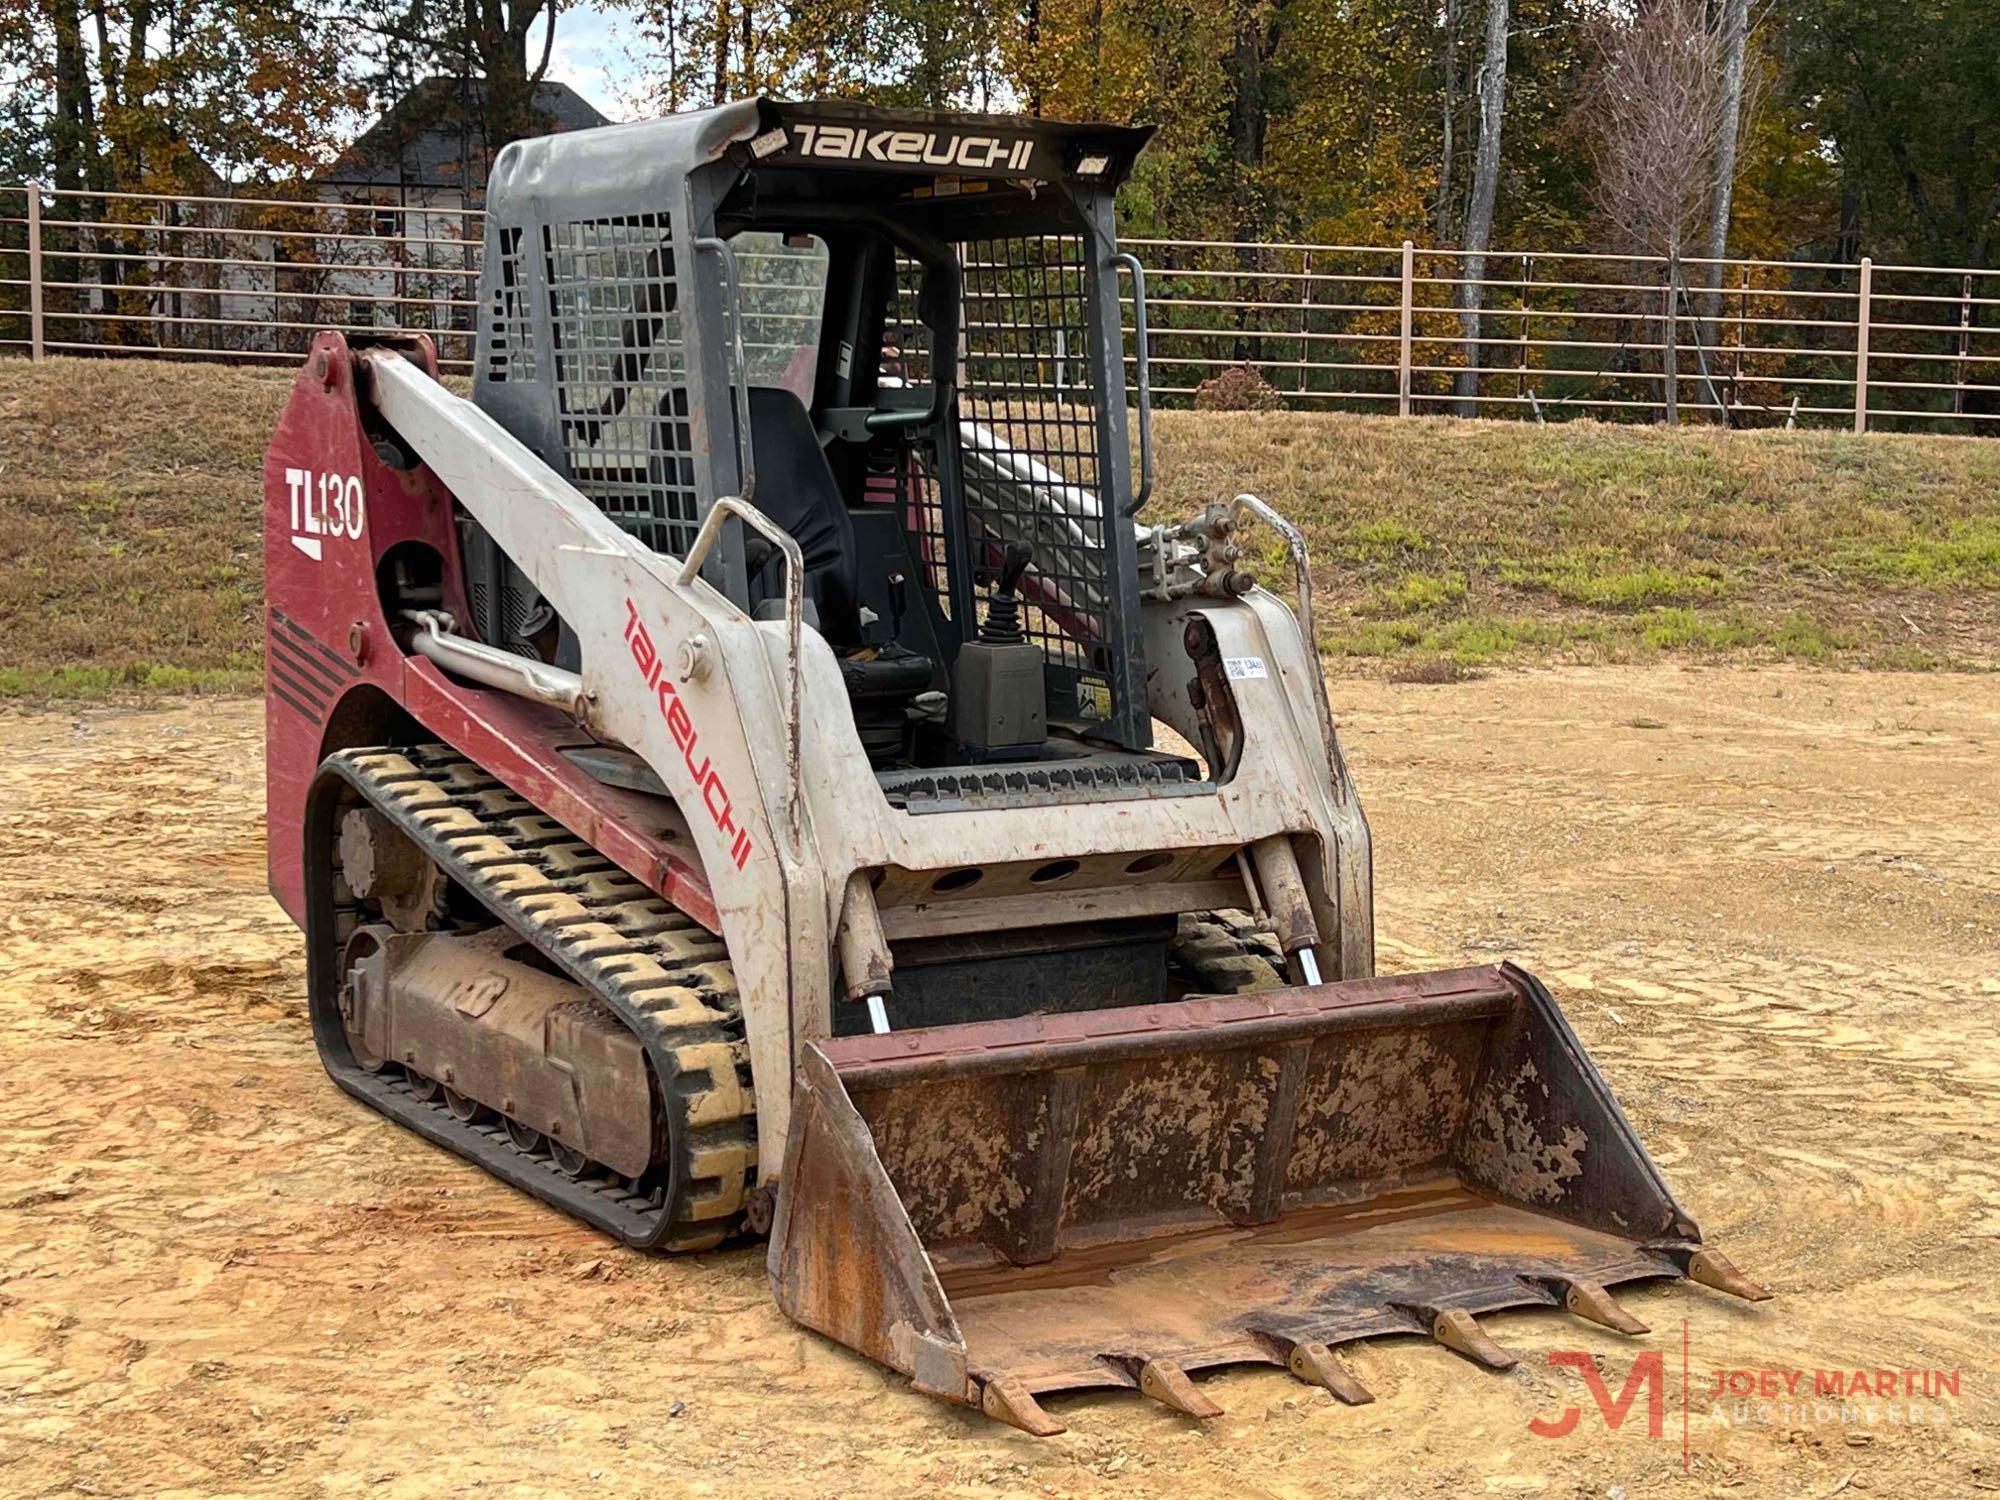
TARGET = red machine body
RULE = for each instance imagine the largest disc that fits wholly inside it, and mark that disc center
(336, 507)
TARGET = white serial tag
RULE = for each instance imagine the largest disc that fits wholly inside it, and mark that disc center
(1240, 667)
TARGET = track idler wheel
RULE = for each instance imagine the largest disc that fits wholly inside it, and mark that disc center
(363, 1031)
(527, 1140)
(470, 1111)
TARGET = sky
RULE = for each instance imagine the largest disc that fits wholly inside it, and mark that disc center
(592, 56)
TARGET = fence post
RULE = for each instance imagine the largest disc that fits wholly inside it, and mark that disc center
(1861, 319)
(1742, 318)
(1964, 346)
(1409, 309)
(35, 346)
(1521, 364)
(1670, 364)
(1305, 315)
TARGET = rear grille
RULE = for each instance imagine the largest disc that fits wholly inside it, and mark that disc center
(510, 345)
(301, 670)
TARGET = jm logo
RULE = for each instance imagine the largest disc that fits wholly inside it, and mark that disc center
(1648, 1374)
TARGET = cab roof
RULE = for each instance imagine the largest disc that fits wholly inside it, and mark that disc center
(832, 140)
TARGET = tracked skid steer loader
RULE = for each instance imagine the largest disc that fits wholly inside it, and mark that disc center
(751, 770)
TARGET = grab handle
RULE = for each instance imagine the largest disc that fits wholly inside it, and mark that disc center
(1145, 375)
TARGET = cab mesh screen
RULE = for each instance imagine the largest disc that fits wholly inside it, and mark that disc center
(903, 463)
(1028, 435)
(621, 373)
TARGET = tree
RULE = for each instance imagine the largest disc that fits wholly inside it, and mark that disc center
(1166, 63)
(161, 97)
(1441, 215)
(73, 143)
(931, 54)
(169, 93)
(1729, 120)
(499, 51)
(1655, 120)
(1664, 122)
(1908, 97)
(1259, 28)
(1485, 189)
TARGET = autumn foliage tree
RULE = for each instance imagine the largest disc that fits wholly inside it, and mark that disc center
(912, 53)
(1350, 121)
(170, 93)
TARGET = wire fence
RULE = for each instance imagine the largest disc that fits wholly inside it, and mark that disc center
(1341, 327)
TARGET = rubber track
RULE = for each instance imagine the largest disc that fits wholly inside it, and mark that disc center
(659, 971)
(1223, 953)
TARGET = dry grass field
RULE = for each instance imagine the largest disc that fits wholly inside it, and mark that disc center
(130, 497)
(1448, 543)
(129, 556)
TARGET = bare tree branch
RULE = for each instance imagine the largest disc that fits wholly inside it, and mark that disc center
(548, 47)
(1654, 116)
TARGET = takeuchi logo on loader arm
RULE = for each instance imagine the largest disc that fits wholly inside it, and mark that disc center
(646, 656)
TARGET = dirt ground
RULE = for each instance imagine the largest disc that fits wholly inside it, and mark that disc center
(1768, 899)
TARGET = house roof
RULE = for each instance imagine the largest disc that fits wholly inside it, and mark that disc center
(433, 136)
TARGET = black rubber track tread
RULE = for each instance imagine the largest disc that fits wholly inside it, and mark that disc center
(660, 972)
(1222, 953)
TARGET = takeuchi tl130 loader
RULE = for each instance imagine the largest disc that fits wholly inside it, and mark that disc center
(750, 770)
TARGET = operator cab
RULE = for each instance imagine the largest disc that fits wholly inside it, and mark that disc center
(914, 318)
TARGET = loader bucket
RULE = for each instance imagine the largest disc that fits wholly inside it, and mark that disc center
(1118, 1197)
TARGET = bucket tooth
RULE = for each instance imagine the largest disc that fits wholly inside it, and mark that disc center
(1315, 1364)
(1460, 1332)
(1168, 1384)
(1713, 1269)
(1589, 1301)
(1005, 1399)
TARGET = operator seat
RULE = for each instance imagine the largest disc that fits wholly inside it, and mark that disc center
(796, 489)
